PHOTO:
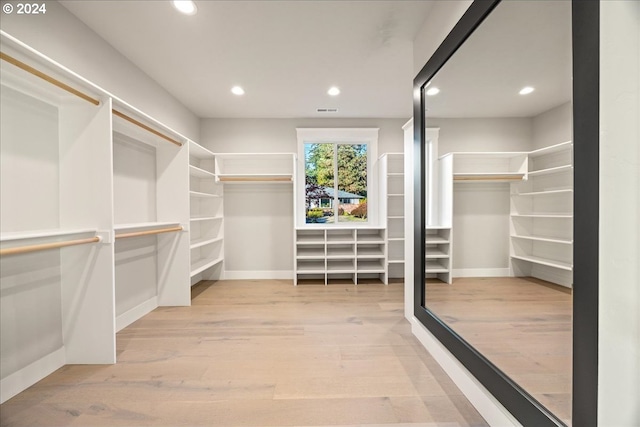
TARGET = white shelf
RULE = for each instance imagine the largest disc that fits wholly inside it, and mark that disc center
(395, 174)
(310, 253)
(395, 261)
(143, 225)
(203, 195)
(543, 193)
(395, 195)
(244, 178)
(396, 239)
(551, 149)
(544, 261)
(311, 268)
(340, 267)
(198, 151)
(396, 217)
(433, 254)
(206, 218)
(201, 265)
(200, 173)
(370, 267)
(435, 267)
(435, 240)
(543, 239)
(340, 253)
(549, 171)
(23, 235)
(203, 242)
(370, 253)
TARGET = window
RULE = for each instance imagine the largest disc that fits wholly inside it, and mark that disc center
(335, 166)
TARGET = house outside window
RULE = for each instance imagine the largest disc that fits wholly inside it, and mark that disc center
(336, 168)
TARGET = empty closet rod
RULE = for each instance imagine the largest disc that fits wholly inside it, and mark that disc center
(145, 127)
(46, 77)
(45, 246)
(149, 232)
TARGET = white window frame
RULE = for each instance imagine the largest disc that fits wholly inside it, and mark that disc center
(366, 136)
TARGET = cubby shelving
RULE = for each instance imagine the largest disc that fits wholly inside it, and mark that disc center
(340, 253)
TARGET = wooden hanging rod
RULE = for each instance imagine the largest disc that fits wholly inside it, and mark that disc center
(46, 77)
(45, 246)
(145, 127)
(149, 232)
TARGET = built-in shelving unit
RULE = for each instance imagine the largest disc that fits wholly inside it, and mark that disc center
(206, 215)
(95, 217)
(330, 254)
(392, 190)
(541, 225)
(438, 244)
(243, 168)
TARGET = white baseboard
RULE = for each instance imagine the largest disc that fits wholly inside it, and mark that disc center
(130, 316)
(489, 408)
(481, 272)
(31, 374)
(258, 275)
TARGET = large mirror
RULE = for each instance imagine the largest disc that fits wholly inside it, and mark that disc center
(498, 202)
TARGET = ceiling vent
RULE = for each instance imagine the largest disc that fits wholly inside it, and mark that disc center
(326, 110)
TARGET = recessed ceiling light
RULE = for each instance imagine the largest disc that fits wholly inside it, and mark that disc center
(526, 90)
(187, 7)
(433, 91)
(237, 90)
(334, 91)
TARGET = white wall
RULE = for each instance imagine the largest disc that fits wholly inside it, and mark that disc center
(481, 211)
(619, 317)
(553, 126)
(59, 35)
(261, 239)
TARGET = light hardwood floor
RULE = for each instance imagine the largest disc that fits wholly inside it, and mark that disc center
(257, 353)
(522, 325)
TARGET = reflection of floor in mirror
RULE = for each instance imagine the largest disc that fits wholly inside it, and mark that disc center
(521, 324)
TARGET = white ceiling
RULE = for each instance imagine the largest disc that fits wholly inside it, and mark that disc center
(285, 54)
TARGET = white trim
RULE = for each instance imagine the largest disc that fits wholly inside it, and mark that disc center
(481, 272)
(489, 408)
(131, 315)
(258, 275)
(31, 374)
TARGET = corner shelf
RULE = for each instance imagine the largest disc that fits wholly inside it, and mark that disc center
(544, 261)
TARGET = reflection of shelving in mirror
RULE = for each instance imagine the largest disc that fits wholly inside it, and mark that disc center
(541, 217)
(438, 243)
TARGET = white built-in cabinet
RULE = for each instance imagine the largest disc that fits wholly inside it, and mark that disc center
(206, 219)
(100, 206)
(392, 210)
(325, 254)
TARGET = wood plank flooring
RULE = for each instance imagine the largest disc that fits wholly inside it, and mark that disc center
(522, 325)
(257, 353)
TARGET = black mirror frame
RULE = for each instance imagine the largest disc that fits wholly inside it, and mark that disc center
(586, 63)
